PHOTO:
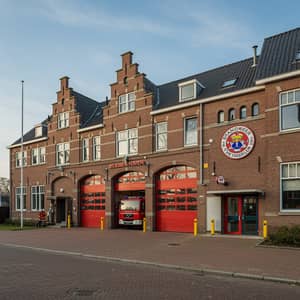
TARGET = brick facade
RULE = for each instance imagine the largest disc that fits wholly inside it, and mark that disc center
(259, 172)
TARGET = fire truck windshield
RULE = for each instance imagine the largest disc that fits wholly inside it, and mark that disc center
(130, 205)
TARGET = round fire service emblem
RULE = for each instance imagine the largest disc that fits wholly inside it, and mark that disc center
(237, 142)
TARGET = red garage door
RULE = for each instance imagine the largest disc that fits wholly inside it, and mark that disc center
(176, 199)
(131, 181)
(92, 201)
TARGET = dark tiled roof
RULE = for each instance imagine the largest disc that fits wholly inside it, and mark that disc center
(90, 110)
(278, 54)
(30, 135)
(168, 94)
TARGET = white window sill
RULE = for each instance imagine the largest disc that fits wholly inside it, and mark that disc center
(289, 213)
(286, 131)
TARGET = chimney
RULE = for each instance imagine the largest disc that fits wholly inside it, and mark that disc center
(64, 83)
(254, 55)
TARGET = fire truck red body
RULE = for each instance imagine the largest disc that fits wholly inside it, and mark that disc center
(132, 211)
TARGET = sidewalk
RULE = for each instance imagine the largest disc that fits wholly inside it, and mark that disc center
(234, 255)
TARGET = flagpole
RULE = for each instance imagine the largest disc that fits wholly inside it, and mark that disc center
(22, 155)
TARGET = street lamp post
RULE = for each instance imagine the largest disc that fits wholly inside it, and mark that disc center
(22, 156)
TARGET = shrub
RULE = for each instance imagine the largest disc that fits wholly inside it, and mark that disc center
(285, 235)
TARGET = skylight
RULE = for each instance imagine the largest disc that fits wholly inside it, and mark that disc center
(228, 83)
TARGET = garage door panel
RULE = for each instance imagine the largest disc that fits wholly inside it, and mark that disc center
(91, 218)
(176, 221)
(92, 201)
(176, 199)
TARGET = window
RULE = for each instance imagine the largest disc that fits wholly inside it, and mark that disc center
(127, 142)
(38, 131)
(63, 120)
(19, 159)
(255, 109)
(221, 116)
(96, 148)
(297, 56)
(229, 83)
(189, 90)
(290, 110)
(161, 136)
(85, 149)
(190, 132)
(126, 102)
(290, 186)
(231, 114)
(37, 197)
(62, 154)
(19, 190)
(38, 156)
(243, 112)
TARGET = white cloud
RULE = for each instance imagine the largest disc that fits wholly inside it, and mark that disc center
(68, 14)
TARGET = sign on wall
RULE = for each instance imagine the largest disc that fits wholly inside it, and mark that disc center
(237, 142)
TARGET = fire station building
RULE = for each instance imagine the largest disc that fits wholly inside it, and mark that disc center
(222, 144)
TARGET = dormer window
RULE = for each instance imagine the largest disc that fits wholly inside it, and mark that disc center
(38, 131)
(126, 102)
(189, 90)
(229, 83)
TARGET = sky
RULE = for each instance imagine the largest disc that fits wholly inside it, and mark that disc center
(43, 40)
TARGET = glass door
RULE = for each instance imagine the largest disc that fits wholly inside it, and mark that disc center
(249, 217)
(232, 215)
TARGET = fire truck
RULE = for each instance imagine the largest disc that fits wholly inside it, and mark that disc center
(132, 210)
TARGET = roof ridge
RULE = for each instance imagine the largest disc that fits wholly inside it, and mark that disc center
(282, 33)
(207, 71)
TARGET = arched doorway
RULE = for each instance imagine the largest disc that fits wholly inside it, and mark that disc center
(176, 199)
(92, 201)
(129, 196)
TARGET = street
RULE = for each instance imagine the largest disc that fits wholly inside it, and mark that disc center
(31, 274)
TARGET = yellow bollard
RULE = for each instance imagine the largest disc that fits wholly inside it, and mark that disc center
(265, 229)
(212, 227)
(144, 224)
(101, 224)
(69, 221)
(195, 227)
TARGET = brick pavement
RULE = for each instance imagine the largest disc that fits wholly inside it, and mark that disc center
(239, 255)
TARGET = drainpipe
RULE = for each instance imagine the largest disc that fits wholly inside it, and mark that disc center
(201, 143)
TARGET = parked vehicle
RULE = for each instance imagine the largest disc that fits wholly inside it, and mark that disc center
(132, 211)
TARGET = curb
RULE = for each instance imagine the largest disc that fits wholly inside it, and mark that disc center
(160, 265)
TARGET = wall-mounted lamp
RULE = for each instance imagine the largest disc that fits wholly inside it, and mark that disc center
(61, 190)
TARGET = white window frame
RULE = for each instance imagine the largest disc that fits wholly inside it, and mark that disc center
(38, 191)
(131, 136)
(96, 148)
(18, 194)
(38, 131)
(287, 104)
(19, 159)
(158, 134)
(126, 101)
(185, 132)
(85, 150)
(287, 178)
(193, 82)
(63, 120)
(65, 151)
(40, 156)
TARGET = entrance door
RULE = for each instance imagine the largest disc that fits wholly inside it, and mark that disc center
(232, 215)
(240, 215)
(61, 210)
(249, 216)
